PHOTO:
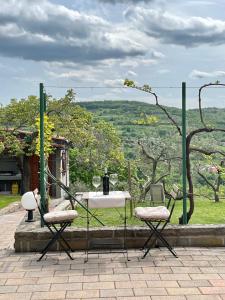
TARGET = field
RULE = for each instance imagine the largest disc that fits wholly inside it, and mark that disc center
(206, 212)
(5, 200)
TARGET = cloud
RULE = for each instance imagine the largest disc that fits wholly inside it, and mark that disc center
(114, 82)
(42, 31)
(113, 2)
(173, 29)
(131, 73)
(200, 74)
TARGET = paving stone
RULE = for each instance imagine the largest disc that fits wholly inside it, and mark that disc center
(212, 290)
(130, 284)
(197, 263)
(66, 286)
(96, 271)
(78, 278)
(193, 283)
(21, 281)
(163, 283)
(98, 285)
(128, 271)
(149, 291)
(48, 295)
(217, 282)
(61, 279)
(15, 296)
(175, 276)
(116, 292)
(186, 270)
(115, 277)
(205, 276)
(168, 297)
(158, 270)
(12, 275)
(135, 277)
(34, 288)
(183, 291)
(83, 294)
(134, 298)
(203, 297)
(8, 289)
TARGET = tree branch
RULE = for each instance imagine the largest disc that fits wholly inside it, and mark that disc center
(206, 180)
(200, 99)
(145, 151)
(147, 89)
(207, 152)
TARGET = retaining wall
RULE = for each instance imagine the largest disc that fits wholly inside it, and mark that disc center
(30, 237)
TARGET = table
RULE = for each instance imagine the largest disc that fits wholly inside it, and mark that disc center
(97, 200)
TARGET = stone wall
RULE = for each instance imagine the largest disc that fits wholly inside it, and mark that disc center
(30, 237)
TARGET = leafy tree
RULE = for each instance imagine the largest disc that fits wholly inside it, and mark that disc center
(94, 143)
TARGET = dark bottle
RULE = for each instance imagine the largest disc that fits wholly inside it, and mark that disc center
(105, 183)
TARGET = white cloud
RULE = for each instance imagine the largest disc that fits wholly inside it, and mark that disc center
(202, 74)
(114, 82)
(131, 73)
(43, 31)
(172, 29)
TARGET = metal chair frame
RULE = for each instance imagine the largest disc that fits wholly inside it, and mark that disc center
(154, 226)
(57, 234)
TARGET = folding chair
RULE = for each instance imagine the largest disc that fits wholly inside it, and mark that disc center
(155, 216)
(51, 220)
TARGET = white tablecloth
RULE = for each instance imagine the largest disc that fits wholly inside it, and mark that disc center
(114, 199)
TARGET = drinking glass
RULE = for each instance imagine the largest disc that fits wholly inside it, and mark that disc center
(113, 178)
(96, 181)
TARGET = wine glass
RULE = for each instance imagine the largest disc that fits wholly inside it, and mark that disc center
(113, 179)
(96, 181)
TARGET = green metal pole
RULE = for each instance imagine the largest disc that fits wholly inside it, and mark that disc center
(184, 167)
(42, 154)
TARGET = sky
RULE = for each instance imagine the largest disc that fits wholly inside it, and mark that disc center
(93, 45)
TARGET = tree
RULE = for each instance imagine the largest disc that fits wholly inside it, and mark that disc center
(158, 157)
(213, 176)
(206, 128)
(93, 142)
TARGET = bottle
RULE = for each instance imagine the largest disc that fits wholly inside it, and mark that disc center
(105, 183)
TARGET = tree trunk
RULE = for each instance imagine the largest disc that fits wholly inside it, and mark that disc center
(190, 183)
(216, 197)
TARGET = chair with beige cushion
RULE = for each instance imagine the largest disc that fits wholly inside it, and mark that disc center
(57, 222)
(154, 216)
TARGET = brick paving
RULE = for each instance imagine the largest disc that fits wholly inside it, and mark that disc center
(198, 273)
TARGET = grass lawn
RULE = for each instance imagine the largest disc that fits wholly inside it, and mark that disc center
(5, 200)
(206, 212)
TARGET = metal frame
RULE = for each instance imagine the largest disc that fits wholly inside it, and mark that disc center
(56, 235)
(157, 232)
(123, 250)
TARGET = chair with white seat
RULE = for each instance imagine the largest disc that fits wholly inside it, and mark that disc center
(154, 216)
(51, 220)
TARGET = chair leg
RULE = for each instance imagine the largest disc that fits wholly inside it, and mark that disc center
(158, 235)
(149, 238)
(57, 235)
(65, 241)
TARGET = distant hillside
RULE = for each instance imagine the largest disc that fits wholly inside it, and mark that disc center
(125, 114)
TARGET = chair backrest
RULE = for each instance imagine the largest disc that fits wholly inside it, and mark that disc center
(157, 194)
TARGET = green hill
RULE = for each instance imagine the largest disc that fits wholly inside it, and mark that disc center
(124, 115)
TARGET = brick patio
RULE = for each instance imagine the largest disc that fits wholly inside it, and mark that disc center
(198, 273)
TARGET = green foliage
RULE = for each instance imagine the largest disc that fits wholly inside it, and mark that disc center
(48, 134)
(95, 143)
(146, 120)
